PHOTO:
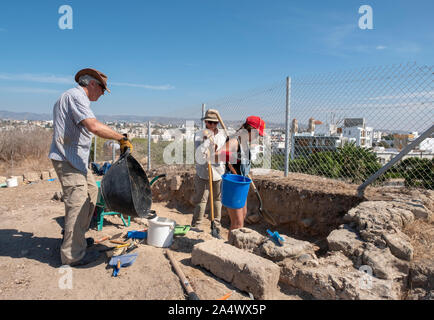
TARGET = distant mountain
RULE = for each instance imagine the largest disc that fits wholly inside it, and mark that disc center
(120, 118)
(25, 116)
(105, 118)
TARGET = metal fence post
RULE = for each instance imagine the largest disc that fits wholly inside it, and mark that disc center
(203, 116)
(387, 166)
(287, 118)
(114, 151)
(149, 145)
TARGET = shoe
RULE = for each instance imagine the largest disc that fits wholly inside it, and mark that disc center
(88, 258)
(89, 241)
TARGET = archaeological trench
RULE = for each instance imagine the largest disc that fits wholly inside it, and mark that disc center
(337, 246)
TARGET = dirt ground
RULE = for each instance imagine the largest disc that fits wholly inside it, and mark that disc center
(30, 238)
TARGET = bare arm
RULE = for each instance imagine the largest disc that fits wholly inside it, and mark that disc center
(100, 129)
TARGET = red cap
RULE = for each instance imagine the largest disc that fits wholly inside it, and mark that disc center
(257, 123)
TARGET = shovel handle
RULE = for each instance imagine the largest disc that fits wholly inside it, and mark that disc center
(118, 242)
(102, 239)
(191, 294)
(211, 201)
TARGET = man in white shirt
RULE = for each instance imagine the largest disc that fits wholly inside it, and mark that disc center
(74, 126)
(214, 139)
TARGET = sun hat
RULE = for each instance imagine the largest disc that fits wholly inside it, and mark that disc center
(211, 115)
(98, 75)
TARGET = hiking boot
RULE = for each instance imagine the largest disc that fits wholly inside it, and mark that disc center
(89, 257)
(215, 232)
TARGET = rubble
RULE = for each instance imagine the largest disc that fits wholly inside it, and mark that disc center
(32, 176)
(45, 175)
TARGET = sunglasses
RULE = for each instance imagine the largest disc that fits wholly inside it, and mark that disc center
(211, 122)
(102, 87)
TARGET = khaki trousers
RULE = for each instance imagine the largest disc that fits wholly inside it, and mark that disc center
(201, 197)
(79, 195)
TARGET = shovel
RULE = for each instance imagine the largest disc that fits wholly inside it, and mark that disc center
(214, 231)
(265, 215)
(122, 261)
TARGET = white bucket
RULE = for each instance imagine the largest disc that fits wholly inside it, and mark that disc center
(160, 232)
(12, 182)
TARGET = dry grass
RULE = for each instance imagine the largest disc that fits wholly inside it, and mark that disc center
(421, 234)
(24, 150)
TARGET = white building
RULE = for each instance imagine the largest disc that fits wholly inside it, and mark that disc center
(361, 136)
(385, 155)
(427, 145)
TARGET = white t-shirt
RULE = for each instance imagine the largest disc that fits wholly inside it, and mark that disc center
(201, 147)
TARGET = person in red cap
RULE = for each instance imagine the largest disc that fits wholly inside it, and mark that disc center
(237, 155)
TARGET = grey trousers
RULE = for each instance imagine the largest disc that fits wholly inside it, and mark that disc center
(201, 197)
(79, 195)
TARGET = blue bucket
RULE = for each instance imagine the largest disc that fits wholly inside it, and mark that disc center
(235, 189)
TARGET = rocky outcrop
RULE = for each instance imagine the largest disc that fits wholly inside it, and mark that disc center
(334, 277)
(421, 280)
(254, 242)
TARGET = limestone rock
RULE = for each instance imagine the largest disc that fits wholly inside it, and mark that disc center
(291, 248)
(384, 265)
(373, 218)
(252, 241)
(32, 176)
(246, 239)
(335, 278)
(244, 270)
(399, 244)
(45, 175)
(422, 274)
(345, 240)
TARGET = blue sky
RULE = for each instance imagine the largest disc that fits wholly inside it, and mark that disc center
(164, 57)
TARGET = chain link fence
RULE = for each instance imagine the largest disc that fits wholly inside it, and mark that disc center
(347, 125)
(341, 125)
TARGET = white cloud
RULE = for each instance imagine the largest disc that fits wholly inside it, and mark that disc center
(40, 78)
(53, 79)
(338, 35)
(381, 47)
(424, 94)
(28, 90)
(143, 86)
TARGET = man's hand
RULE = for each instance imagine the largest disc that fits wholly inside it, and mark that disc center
(125, 143)
(207, 134)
